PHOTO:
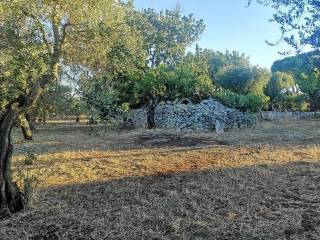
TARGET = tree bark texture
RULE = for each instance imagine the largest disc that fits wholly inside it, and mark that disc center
(152, 103)
(11, 199)
(25, 127)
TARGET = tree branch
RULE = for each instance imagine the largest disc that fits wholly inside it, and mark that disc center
(63, 33)
(41, 30)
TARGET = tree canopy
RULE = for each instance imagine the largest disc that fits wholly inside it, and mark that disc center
(166, 34)
(299, 21)
(304, 67)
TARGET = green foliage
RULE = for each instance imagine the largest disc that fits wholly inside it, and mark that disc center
(262, 77)
(101, 97)
(238, 79)
(299, 21)
(148, 68)
(290, 101)
(245, 103)
(19, 66)
(37, 36)
(280, 89)
(310, 84)
(241, 85)
(304, 68)
(295, 65)
(166, 34)
(219, 60)
(188, 80)
(233, 71)
(280, 84)
(58, 100)
(252, 118)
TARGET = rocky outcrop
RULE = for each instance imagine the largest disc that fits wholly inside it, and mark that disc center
(209, 115)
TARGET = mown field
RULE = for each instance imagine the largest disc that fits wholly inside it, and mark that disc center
(258, 183)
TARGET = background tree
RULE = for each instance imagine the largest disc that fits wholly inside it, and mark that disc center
(280, 85)
(310, 84)
(218, 60)
(189, 79)
(229, 59)
(304, 62)
(102, 98)
(242, 79)
(58, 100)
(166, 34)
(106, 90)
(304, 68)
(299, 22)
(262, 77)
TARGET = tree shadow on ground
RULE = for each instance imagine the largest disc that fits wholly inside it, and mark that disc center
(53, 139)
(261, 202)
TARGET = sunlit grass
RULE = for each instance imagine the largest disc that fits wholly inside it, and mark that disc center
(73, 167)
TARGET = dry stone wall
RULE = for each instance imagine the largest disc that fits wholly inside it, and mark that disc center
(209, 115)
(274, 115)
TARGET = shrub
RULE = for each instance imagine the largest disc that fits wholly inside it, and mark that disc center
(245, 103)
(292, 102)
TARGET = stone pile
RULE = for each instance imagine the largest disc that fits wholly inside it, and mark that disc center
(209, 115)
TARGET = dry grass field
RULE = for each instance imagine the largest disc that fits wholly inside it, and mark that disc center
(258, 183)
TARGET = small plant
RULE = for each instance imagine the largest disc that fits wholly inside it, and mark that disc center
(28, 173)
(30, 159)
(252, 119)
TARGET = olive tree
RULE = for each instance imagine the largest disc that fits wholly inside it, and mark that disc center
(166, 34)
(165, 37)
(190, 79)
(238, 79)
(36, 38)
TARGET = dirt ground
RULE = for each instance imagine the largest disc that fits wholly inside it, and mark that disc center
(257, 183)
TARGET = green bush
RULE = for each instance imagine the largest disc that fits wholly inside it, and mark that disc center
(254, 103)
(292, 102)
(244, 103)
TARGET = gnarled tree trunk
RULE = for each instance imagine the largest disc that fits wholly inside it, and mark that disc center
(152, 103)
(150, 117)
(11, 199)
(31, 121)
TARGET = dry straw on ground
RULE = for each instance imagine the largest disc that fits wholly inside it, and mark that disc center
(259, 183)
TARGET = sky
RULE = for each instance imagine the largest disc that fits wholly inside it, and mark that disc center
(231, 25)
